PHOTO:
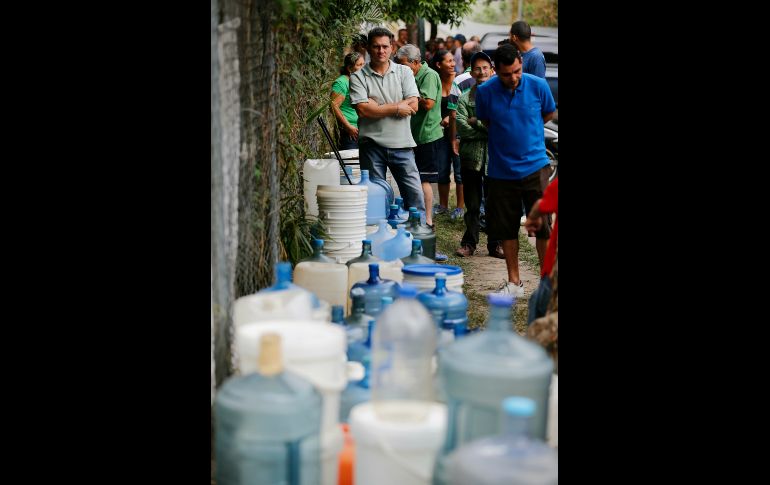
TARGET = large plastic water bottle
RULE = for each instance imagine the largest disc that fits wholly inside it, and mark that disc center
(366, 254)
(452, 305)
(403, 214)
(479, 371)
(375, 288)
(318, 255)
(422, 232)
(268, 425)
(416, 257)
(358, 392)
(398, 247)
(377, 202)
(512, 457)
(378, 238)
(357, 322)
(338, 314)
(403, 345)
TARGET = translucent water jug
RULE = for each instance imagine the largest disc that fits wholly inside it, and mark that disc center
(375, 288)
(398, 247)
(403, 345)
(403, 214)
(366, 254)
(511, 457)
(329, 282)
(423, 233)
(378, 238)
(268, 425)
(377, 199)
(451, 305)
(358, 392)
(318, 255)
(479, 371)
(416, 256)
(357, 323)
(393, 214)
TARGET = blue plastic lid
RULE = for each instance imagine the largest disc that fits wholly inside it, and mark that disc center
(497, 299)
(431, 269)
(366, 241)
(413, 209)
(407, 291)
(519, 406)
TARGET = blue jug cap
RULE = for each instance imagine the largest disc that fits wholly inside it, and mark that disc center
(519, 406)
(430, 270)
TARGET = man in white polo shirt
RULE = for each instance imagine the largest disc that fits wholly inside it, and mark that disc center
(385, 96)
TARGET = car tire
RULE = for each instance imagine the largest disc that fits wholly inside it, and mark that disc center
(554, 165)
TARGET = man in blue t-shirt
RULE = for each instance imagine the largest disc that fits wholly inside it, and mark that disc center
(532, 58)
(514, 106)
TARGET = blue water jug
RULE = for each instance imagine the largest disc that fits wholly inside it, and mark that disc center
(375, 288)
(379, 237)
(423, 233)
(318, 255)
(358, 392)
(398, 247)
(403, 214)
(268, 425)
(393, 215)
(511, 457)
(480, 370)
(338, 314)
(416, 256)
(366, 254)
(377, 202)
(357, 322)
(452, 305)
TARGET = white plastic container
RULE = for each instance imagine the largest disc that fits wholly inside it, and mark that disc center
(425, 278)
(389, 453)
(276, 305)
(327, 281)
(332, 441)
(317, 172)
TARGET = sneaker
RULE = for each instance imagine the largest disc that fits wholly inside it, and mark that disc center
(523, 220)
(465, 251)
(440, 209)
(497, 252)
(457, 213)
(440, 257)
(509, 288)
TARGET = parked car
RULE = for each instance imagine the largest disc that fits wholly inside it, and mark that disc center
(551, 130)
(546, 39)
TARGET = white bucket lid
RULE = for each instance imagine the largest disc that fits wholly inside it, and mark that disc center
(425, 435)
(302, 340)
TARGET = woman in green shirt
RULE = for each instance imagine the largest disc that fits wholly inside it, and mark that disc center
(347, 117)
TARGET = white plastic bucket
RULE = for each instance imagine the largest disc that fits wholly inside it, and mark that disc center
(327, 281)
(426, 280)
(318, 172)
(390, 453)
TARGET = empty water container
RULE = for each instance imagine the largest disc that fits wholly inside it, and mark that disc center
(318, 255)
(338, 314)
(378, 238)
(366, 254)
(398, 247)
(452, 306)
(357, 323)
(423, 233)
(375, 288)
(512, 457)
(479, 371)
(403, 345)
(416, 257)
(377, 199)
(358, 392)
(268, 425)
(403, 214)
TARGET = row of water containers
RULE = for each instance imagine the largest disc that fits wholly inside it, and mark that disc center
(278, 421)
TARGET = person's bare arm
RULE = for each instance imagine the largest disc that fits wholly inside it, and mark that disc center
(534, 219)
(548, 117)
(370, 109)
(337, 100)
(426, 104)
(413, 103)
(453, 132)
